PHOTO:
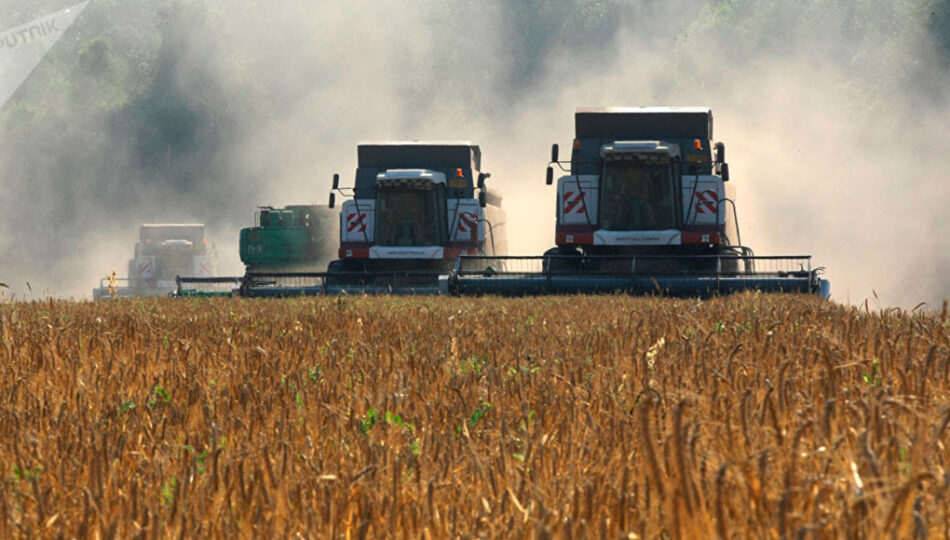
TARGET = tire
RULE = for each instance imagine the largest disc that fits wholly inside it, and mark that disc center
(334, 271)
(561, 261)
(729, 266)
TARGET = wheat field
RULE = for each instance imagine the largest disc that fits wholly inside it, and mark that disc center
(609, 417)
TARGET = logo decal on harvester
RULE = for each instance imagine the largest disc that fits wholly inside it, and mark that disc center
(467, 221)
(145, 268)
(574, 204)
(356, 222)
(706, 202)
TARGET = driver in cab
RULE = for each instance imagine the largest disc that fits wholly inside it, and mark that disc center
(630, 208)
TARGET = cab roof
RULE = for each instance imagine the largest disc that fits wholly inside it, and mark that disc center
(171, 225)
(434, 155)
(643, 110)
(643, 123)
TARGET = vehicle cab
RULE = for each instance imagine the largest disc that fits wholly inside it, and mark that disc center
(418, 201)
(165, 251)
(644, 180)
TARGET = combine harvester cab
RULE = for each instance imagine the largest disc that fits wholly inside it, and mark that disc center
(293, 239)
(415, 208)
(645, 208)
(163, 252)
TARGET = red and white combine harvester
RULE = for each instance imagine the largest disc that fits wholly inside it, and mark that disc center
(414, 209)
(645, 207)
(163, 252)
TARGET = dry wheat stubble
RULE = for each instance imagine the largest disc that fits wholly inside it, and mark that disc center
(751, 415)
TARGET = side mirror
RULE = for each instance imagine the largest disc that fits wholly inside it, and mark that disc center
(724, 172)
(482, 199)
(481, 179)
(720, 153)
(336, 182)
(550, 176)
(554, 153)
(332, 200)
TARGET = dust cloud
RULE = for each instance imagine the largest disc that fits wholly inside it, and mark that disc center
(833, 117)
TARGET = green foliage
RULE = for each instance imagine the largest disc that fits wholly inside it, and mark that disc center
(719, 328)
(95, 57)
(873, 377)
(314, 374)
(475, 364)
(397, 420)
(368, 421)
(168, 491)
(904, 464)
(158, 396)
(479, 413)
(371, 418)
(199, 458)
(27, 473)
(938, 23)
(126, 406)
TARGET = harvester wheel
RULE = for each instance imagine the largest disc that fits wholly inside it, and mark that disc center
(336, 273)
(730, 266)
(562, 261)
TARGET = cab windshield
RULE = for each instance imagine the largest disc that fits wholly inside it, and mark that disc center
(637, 195)
(411, 216)
(173, 262)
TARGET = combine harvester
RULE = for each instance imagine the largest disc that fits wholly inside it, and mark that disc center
(162, 253)
(645, 209)
(296, 238)
(413, 212)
